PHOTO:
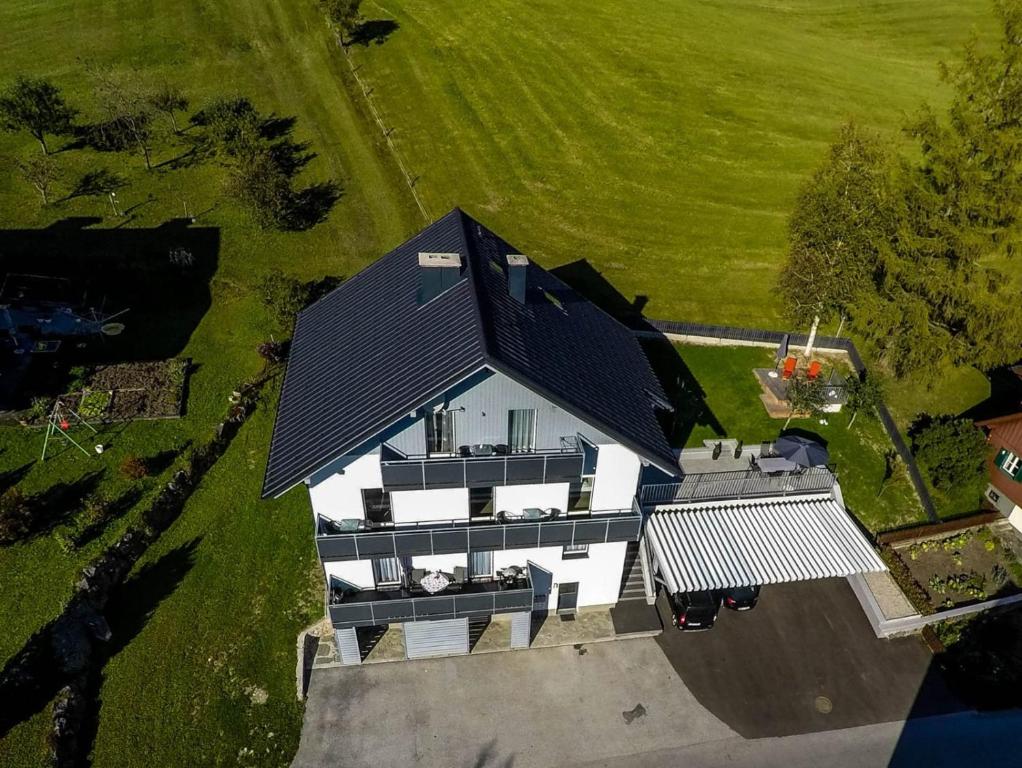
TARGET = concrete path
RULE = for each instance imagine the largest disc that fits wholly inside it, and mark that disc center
(541, 707)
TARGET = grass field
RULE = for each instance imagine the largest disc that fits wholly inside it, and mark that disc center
(662, 141)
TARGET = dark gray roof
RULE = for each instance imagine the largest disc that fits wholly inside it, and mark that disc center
(367, 354)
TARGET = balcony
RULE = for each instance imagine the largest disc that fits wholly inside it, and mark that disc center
(483, 468)
(740, 484)
(473, 599)
(455, 536)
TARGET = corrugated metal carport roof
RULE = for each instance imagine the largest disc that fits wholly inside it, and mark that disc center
(740, 543)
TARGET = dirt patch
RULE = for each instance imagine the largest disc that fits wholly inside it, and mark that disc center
(968, 567)
(127, 391)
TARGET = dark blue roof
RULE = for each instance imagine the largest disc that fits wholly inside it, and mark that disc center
(368, 353)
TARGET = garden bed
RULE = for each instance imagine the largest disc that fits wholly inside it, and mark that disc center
(965, 568)
(129, 391)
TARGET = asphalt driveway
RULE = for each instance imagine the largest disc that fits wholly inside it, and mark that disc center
(804, 660)
(541, 707)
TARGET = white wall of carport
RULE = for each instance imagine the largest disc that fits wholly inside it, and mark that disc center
(336, 491)
(515, 498)
(617, 478)
(598, 576)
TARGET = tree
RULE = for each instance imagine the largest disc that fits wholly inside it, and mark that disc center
(951, 450)
(806, 398)
(260, 184)
(864, 393)
(345, 14)
(232, 125)
(169, 100)
(41, 172)
(129, 109)
(37, 106)
(284, 296)
(843, 219)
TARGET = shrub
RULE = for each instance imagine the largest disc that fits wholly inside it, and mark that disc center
(950, 450)
(283, 295)
(134, 467)
(903, 577)
(15, 516)
(273, 351)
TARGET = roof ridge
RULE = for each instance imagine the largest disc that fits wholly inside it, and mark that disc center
(475, 288)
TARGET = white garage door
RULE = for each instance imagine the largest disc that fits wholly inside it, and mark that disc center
(424, 639)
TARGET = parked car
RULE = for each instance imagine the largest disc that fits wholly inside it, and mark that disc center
(741, 598)
(694, 610)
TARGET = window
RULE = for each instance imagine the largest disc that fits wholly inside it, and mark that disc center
(521, 430)
(387, 571)
(376, 502)
(1011, 463)
(440, 433)
(480, 565)
(480, 502)
(574, 551)
(579, 494)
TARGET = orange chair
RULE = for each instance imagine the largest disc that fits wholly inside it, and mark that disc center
(814, 370)
(789, 368)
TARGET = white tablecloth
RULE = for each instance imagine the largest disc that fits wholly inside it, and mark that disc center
(434, 582)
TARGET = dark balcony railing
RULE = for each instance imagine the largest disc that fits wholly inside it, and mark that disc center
(486, 598)
(742, 484)
(451, 537)
(416, 474)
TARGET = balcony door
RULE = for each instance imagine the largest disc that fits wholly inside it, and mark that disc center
(387, 572)
(480, 565)
(521, 430)
(440, 435)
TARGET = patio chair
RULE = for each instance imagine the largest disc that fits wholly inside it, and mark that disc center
(789, 368)
(417, 575)
(460, 573)
(814, 370)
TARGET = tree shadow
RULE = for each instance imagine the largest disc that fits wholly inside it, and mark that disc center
(159, 462)
(55, 505)
(291, 156)
(274, 127)
(12, 477)
(95, 183)
(313, 204)
(373, 32)
(115, 510)
(807, 434)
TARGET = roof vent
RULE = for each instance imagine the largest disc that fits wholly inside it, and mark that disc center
(437, 273)
(516, 267)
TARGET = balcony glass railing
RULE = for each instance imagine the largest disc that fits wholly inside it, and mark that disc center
(420, 473)
(455, 536)
(473, 599)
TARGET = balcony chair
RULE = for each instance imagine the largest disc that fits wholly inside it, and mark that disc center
(814, 370)
(789, 368)
(417, 574)
(460, 573)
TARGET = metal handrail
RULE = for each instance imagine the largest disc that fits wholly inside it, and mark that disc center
(715, 486)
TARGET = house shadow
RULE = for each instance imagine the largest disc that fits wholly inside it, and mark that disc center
(968, 710)
(156, 280)
(583, 277)
(1005, 395)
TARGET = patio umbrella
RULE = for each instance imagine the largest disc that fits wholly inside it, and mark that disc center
(801, 450)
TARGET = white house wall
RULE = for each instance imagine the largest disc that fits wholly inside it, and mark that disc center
(486, 399)
(515, 498)
(617, 478)
(336, 491)
(598, 576)
(358, 573)
(435, 504)
(445, 563)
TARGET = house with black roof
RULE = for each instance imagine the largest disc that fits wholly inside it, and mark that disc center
(471, 433)
(480, 443)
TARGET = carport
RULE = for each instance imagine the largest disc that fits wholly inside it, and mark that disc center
(735, 543)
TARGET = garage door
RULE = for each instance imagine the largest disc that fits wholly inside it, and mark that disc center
(424, 639)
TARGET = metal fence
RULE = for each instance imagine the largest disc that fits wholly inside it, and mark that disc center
(739, 484)
(654, 328)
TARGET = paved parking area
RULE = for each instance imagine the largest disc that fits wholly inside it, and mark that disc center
(804, 660)
(541, 707)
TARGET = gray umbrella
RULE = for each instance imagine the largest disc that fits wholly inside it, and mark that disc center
(801, 450)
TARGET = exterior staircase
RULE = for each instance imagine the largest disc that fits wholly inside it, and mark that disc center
(632, 587)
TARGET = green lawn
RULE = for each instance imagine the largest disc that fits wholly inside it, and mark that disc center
(723, 401)
(663, 142)
(244, 594)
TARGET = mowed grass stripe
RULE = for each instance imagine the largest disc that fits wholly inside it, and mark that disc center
(664, 142)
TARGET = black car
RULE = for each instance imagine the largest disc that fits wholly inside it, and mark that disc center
(694, 610)
(741, 598)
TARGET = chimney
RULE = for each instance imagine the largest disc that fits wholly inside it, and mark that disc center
(437, 273)
(516, 267)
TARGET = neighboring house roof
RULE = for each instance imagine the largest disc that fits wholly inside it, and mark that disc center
(715, 545)
(369, 353)
(1005, 432)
